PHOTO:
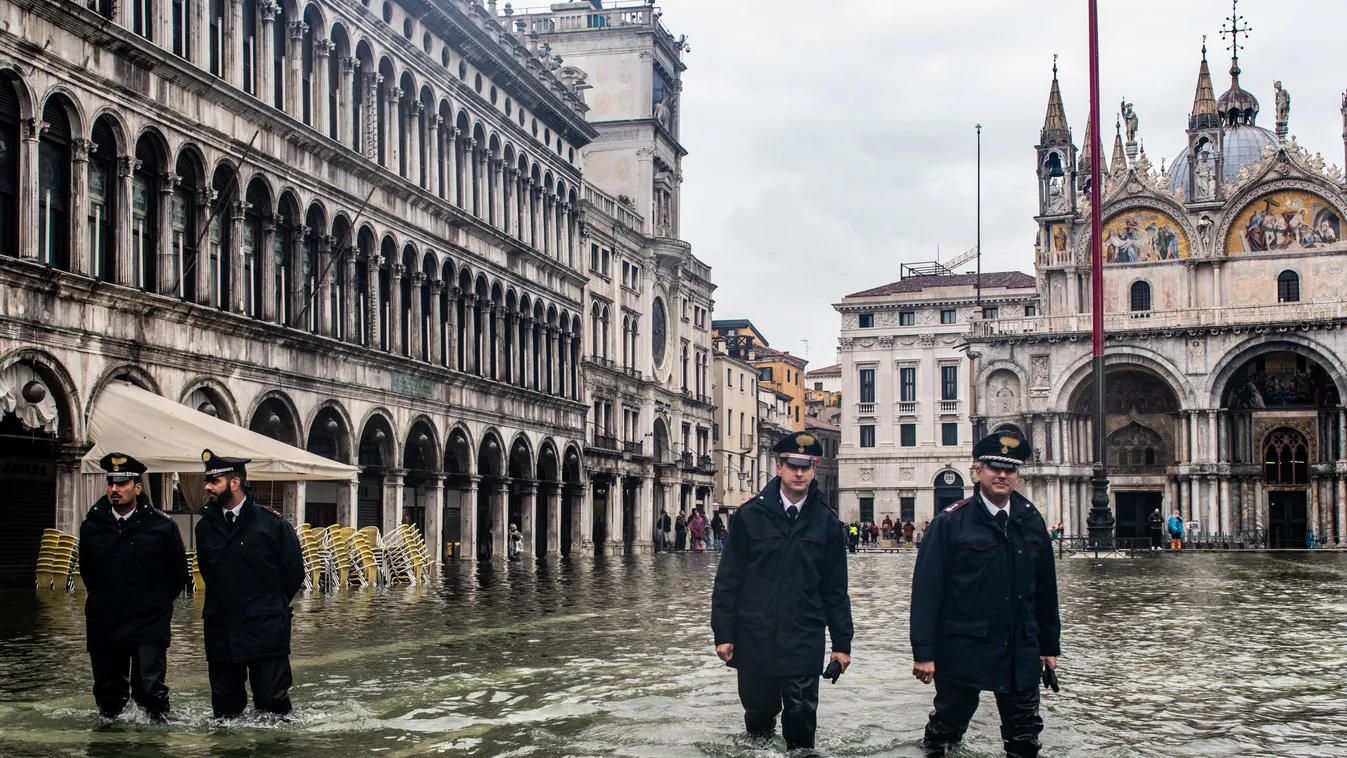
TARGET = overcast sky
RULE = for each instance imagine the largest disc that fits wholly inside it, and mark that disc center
(829, 141)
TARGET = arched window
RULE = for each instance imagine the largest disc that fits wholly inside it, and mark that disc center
(184, 225)
(145, 216)
(605, 331)
(9, 168)
(1286, 458)
(250, 37)
(102, 209)
(53, 178)
(1288, 287)
(1141, 299)
(594, 328)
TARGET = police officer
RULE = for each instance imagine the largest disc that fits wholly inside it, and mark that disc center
(984, 605)
(133, 565)
(252, 566)
(782, 580)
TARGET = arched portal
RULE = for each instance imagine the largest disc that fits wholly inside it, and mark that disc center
(1286, 463)
(491, 498)
(421, 459)
(330, 437)
(523, 492)
(548, 514)
(458, 495)
(570, 501)
(948, 489)
(375, 457)
(34, 414)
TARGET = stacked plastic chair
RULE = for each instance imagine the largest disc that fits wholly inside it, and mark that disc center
(55, 560)
(311, 549)
(367, 555)
(198, 584)
(407, 559)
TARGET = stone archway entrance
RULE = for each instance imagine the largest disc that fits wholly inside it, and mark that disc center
(1286, 469)
(30, 454)
(948, 489)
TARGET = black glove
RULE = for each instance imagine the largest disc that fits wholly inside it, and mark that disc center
(833, 671)
(1050, 678)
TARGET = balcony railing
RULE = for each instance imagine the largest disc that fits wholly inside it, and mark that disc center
(605, 442)
(865, 409)
(1273, 313)
(599, 360)
(633, 372)
(633, 448)
(705, 400)
(949, 407)
(686, 460)
(907, 408)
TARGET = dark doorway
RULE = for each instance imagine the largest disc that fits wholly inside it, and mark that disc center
(1133, 509)
(629, 492)
(948, 489)
(28, 468)
(600, 526)
(369, 501)
(568, 495)
(1288, 519)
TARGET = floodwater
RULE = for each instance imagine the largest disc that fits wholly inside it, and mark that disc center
(1176, 655)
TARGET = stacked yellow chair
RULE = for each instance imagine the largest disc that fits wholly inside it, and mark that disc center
(55, 559)
(340, 538)
(366, 553)
(311, 549)
(198, 584)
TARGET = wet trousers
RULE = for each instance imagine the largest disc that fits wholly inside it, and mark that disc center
(269, 678)
(794, 697)
(137, 669)
(954, 708)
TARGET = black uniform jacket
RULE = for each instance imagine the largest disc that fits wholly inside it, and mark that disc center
(132, 573)
(779, 586)
(984, 603)
(252, 571)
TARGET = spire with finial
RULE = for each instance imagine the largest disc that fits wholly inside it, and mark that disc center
(1236, 107)
(1118, 166)
(1087, 157)
(1204, 115)
(1054, 123)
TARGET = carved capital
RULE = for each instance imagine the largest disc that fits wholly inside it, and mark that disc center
(269, 11)
(168, 182)
(394, 95)
(397, 270)
(269, 223)
(298, 234)
(324, 47)
(325, 244)
(436, 286)
(349, 65)
(415, 109)
(297, 30)
(435, 121)
(80, 149)
(417, 278)
(126, 165)
(237, 209)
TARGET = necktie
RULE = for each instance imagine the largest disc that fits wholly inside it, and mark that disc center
(1001, 519)
(229, 517)
(791, 513)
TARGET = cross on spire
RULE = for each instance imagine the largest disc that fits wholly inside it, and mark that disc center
(1234, 30)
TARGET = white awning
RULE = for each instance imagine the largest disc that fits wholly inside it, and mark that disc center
(169, 437)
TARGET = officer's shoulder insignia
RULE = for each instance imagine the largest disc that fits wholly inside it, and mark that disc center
(162, 515)
(746, 502)
(272, 511)
(956, 506)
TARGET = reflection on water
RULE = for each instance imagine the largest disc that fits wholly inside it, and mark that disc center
(1228, 655)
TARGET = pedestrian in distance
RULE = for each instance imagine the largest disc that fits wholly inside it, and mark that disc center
(681, 532)
(695, 525)
(1175, 527)
(515, 548)
(718, 532)
(853, 537)
(874, 535)
(252, 566)
(662, 530)
(781, 583)
(984, 606)
(1155, 526)
(134, 566)
(887, 528)
(908, 531)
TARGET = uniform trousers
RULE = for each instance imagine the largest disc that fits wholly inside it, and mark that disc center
(794, 697)
(955, 706)
(139, 669)
(269, 678)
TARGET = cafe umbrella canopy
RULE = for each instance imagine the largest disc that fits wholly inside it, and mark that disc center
(168, 437)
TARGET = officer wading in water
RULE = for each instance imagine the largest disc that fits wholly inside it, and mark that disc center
(133, 565)
(782, 580)
(251, 563)
(984, 605)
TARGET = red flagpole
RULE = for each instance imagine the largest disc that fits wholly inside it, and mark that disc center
(1100, 520)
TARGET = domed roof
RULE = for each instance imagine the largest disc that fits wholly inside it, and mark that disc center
(1243, 146)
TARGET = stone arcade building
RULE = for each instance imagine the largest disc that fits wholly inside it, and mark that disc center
(352, 225)
(1225, 315)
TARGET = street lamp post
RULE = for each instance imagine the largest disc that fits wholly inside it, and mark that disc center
(1100, 520)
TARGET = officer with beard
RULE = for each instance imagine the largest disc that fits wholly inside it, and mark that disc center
(782, 581)
(984, 606)
(133, 565)
(252, 566)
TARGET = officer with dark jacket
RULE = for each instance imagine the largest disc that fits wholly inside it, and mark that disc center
(984, 605)
(133, 565)
(782, 580)
(252, 566)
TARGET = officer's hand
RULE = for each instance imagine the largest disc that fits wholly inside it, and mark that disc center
(725, 652)
(924, 671)
(1048, 660)
(842, 658)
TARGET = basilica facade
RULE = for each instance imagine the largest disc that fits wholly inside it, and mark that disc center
(355, 226)
(1224, 316)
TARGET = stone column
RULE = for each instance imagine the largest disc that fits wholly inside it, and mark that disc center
(535, 214)
(394, 134)
(233, 61)
(451, 183)
(370, 118)
(470, 190)
(126, 253)
(293, 498)
(322, 53)
(414, 110)
(432, 183)
(236, 288)
(498, 193)
(1314, 508)
(347, 495)
(567, 234)
(451, 331)
(396, 272)
(528, 509)
(392, 516)
(467, 520)
(348, 295)
(1340, 486)
(547, 222)
(436, 288)
(345, 97)
(322, 288)
(373, 310)
(1192, 508)
(582, 531)
(434, 534)
(266, 88)
(500, 518)
(266, 259)
(70, 509)
(299, 305)
(525, 343)
(414, 322)
(644, 544)
(521, 205)
(554, 520)
(470, 339)
(507, 196)
(79, 206)
(1213, 521)
(294, 92)
(168, 256)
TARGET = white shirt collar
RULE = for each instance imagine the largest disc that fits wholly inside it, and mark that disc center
(236, 510)
(786, 503)
(993, 510)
